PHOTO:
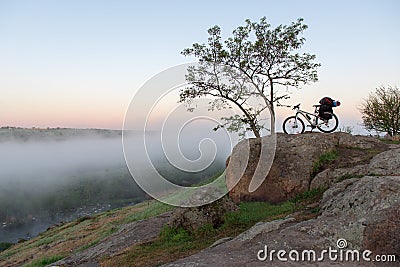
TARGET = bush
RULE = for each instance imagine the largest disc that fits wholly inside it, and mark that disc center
(381, 111)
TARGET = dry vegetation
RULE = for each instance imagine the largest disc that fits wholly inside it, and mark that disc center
(68, 238)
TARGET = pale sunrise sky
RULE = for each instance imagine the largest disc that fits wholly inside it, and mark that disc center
(79, 63)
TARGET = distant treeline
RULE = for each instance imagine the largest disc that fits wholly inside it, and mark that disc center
(8, 133)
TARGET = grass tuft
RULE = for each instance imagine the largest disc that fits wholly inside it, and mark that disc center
(252, 212)
(308, 197)
(324, 159)
(44, 261)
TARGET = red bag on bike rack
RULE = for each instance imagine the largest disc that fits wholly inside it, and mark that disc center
(326, 101)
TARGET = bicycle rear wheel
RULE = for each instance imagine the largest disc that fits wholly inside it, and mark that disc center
(327, 126)
(293, 125)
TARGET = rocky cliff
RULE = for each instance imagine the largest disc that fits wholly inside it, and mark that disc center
(360, 210)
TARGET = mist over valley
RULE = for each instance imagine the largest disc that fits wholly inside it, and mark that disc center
(48, 176)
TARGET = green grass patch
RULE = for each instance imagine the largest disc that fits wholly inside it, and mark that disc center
(310, 196)
(252, 212)
(44, 261)
(324, 159)
(169, 234)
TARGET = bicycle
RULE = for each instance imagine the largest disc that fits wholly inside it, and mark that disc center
(295, 125)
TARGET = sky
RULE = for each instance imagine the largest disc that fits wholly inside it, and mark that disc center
(79, 63)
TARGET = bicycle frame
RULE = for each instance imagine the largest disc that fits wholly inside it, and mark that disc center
(313, 122)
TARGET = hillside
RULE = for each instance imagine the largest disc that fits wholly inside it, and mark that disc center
(347, 187)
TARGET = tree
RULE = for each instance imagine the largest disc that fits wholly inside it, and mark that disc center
(381, 110)
(251, 64)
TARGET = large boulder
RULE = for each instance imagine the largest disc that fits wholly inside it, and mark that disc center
(292, 169)
(386, 163)
(192, 219)
(290, 172)
(353, 208)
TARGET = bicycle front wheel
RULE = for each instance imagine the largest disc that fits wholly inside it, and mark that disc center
(327, 126)
(293, 125)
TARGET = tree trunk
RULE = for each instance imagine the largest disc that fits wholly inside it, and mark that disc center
(272, 119)
(271, 108)
(250, 119)
(254, 129)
